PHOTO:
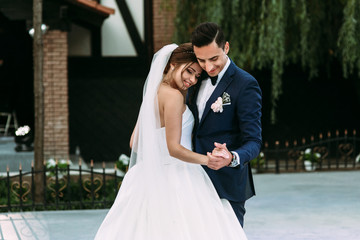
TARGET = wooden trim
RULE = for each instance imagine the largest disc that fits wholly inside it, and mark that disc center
(149, 39)
(131, 27)
(94, 6)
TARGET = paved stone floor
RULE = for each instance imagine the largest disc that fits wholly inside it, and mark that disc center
(306, 206)
(10, 158)
(313, 206)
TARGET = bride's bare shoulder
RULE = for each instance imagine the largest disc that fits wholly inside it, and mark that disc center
(167, 93)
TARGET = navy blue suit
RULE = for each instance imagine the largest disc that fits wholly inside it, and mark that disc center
(239, 126)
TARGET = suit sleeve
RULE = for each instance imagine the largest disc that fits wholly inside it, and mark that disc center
(249, 115)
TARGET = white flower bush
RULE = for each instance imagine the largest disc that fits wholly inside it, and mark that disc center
(357, 159)
(258, 162)
(62, 166)
(123, 162)
(51, 163)
(309, 155)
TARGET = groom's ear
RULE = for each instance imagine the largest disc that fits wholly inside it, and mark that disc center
(226, 47)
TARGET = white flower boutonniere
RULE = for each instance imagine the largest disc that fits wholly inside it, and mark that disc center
(217, 106)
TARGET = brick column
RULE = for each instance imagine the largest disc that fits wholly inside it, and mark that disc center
(56, 110)
(163, 24)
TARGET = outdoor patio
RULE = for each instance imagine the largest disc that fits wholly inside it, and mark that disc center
(306, 206)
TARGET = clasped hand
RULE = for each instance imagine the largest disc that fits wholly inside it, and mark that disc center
(219, 157)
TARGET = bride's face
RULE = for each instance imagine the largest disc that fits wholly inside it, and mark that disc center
(186, 76)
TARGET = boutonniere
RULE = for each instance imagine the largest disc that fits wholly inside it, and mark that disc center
(217, 106)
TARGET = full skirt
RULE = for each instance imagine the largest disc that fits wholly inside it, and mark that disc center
(176, 202)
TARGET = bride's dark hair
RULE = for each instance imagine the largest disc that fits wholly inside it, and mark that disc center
(182, 54)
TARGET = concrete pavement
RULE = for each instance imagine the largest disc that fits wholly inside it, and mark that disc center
(10, 158)
(316, 205)
(306, 206)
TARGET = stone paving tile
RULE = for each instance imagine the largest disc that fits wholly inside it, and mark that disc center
(10, 158)
(306, 206)
(51, 225)
(297, 206)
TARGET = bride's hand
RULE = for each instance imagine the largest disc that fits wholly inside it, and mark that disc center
(220, 157)
(220, 152)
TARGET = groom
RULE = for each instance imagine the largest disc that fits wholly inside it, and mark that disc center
(227, 110)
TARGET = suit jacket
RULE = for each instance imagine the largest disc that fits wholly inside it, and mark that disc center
(239, 126)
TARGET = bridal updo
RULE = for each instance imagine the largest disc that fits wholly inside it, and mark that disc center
(182, 54)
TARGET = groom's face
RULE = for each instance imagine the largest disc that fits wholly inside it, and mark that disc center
(212, 58)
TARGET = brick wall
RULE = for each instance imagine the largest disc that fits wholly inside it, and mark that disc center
(163, 24)
(56, 110)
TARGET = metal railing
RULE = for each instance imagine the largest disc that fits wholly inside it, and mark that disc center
(78, 188)
(337, 152)
(70, 188)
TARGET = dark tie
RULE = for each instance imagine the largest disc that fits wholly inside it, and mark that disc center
(213, 80)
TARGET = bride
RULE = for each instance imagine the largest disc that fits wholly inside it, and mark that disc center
(166, 194)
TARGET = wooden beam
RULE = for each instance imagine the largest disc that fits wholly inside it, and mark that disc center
(131, 27)
(149, 39)
(39, 100)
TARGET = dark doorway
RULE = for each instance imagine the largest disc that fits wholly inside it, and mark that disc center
(16, 71)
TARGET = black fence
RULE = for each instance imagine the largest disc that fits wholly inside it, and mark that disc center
(63, 188)
(335, 151)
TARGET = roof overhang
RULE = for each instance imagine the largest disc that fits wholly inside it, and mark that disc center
(57, 12)
(93, 6)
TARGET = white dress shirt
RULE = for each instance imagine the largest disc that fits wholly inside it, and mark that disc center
(205, 91)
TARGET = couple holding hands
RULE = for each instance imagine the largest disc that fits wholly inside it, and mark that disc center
(198, 128)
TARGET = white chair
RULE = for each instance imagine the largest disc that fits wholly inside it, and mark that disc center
(5, 127)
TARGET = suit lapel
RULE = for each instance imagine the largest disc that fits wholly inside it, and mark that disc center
(220, 88)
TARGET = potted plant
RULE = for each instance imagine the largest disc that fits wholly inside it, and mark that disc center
(257, 163)
(310, 159)
(24, 139)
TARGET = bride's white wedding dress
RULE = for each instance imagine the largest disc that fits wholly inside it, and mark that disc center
(177, 201)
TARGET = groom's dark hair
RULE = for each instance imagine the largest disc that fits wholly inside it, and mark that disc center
(205, 33)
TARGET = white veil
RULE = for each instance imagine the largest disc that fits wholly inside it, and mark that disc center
(148, 144)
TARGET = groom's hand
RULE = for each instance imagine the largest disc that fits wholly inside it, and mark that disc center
(220, 157)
